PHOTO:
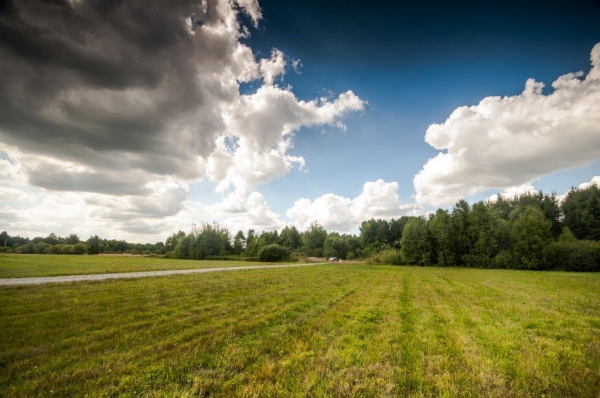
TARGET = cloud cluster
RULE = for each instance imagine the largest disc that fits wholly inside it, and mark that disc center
(378, 199)
(129, 102)
(510, 141)
(97, 85)
(595, 181)
(512, 192)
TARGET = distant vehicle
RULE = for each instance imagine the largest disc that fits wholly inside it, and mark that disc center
(333, 259)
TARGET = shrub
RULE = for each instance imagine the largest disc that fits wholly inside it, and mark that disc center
(582, 255)
(28, 248)
(389, 256)
(272, 253)
(503, 260)
(42, 248)
(79, 248)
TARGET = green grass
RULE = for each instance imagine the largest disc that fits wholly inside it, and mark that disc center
(33, 265)
(332, 330)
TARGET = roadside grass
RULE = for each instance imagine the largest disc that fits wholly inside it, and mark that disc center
(332, 330)
(34, 265)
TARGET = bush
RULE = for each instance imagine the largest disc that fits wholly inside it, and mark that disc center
(389, 256)
(272, 253)
(28, 248)
(42, 248)
(79, 248)
(582, 255)
(503, 260)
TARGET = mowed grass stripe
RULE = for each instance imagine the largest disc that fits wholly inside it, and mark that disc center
(334, 330)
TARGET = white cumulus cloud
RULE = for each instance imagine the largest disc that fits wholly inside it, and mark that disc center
(125, 116)
(378, 199)
(510, 141)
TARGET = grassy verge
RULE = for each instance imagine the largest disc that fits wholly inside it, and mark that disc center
(32, 265)
(335, 330)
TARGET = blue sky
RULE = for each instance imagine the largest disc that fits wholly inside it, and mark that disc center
(211, 111)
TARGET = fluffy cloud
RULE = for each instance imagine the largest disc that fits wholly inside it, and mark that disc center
(378, 199)
(595, 181)
(511, 192)
(262, 126)
(509, 141)
(102, 104)
(241, 212)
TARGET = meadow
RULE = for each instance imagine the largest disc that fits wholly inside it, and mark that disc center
(325, 330)
(35, 265)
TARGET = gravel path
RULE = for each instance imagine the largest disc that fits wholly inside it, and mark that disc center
(128, 275)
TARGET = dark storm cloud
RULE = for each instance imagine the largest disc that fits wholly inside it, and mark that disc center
(56, 178)
(111, 85)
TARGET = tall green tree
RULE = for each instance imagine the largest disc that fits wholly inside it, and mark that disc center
(531, 234)
(290, 238)
(314, 240)
(460, 226)
(170, 243)
(581, 210)
(443, 233)
(336, 246)
(239, 242)
(484, 234)
(93, 245)
(416, 245)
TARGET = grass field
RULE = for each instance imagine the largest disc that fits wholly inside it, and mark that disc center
(330, 330)
(32, 265)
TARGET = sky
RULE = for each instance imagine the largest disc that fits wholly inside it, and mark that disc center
(135, 119)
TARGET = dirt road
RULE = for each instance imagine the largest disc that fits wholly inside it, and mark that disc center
(128, 275)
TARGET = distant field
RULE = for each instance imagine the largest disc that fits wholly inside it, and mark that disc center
(332, 330)
(31, 265)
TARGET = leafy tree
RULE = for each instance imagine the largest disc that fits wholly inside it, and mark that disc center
(93, 245)
(72, 239)
(369, 232)
(443, 233)
(290, 238)
(239, 242)
(460, 226)
(184, 247)
(204, 241)
(531, 233)
(336, 246)
(314, 240)
(567, 235)
(210, 240)
(396, 230)
(581, 210)
(416, 243)
(355, 248)
(173, 240)
(51, 239)
(268, 238)
(484, 233)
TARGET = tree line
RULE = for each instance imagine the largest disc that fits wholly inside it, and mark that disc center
(529, 231)
(72, 244)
